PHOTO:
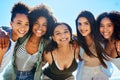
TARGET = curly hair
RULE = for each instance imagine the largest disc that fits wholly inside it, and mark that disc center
(21, 8)
(114, 17)
(42, 11)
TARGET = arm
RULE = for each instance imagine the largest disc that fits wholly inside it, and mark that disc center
(4, 44)
(118, 46)
(47, 58)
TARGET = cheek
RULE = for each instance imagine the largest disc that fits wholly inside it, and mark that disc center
(79, 28)
(112, 29)
(45, 29)
(54, 39)
(28, 27)
(101, 30)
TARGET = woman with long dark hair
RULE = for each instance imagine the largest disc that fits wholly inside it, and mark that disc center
(109, 29)
(91, 51)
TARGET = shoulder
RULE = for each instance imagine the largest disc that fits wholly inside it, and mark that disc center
(47, 57)
(5, 28)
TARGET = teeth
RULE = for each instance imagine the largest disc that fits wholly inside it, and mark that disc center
(22, 32)
(83, 31)
(38, 31)
(106, 33)
(63, 39)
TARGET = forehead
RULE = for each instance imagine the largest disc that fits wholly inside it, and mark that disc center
(82, 19)
(61, 27)
(42, 19)
(20, 16)
(106, 19)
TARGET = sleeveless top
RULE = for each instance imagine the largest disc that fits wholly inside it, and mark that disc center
(108, 71)
(53, 72)
(116, 50)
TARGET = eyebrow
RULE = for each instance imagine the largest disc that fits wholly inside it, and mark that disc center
(22, 21)
(83, 22)
(64, 30)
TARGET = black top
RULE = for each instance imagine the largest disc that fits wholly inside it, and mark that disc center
(54, 73)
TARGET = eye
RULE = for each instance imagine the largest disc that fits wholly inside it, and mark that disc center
(27, 24)
(66, 31)
(86, 23)
(79, 24)
(36, 24)
(101, 25)
(18, 23)
(110, 25)
(45, 25)
(57, 34)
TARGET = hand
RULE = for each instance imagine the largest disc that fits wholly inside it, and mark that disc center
(4, 42)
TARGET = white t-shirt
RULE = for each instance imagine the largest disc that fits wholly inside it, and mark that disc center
(8, 55)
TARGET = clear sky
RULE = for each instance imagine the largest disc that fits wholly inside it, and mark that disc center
(64, 10)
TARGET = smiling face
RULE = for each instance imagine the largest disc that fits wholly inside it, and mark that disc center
(40, 27)
(61, 35)
(20, 25)
(84, 26)
(106, 28)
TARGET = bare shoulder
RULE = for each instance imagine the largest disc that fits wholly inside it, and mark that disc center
(77, 50)
(47, 57)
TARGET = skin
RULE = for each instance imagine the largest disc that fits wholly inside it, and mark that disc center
(106, 30)
(39, 29)
(85, 30)
(62, 31)
(20, 26)
(62, 38)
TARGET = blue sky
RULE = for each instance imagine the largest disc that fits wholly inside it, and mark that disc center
(63, 10)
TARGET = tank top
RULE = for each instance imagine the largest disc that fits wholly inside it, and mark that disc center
(53, 72)
(116, 50)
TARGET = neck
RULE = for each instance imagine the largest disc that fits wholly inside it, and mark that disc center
(64, 49)
(89, 40)
(34, 39)
(14, 36)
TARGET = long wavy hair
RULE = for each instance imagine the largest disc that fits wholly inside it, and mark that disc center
(114, 17)
(82, 42)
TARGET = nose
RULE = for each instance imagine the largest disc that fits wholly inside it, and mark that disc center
(105, 29)
(39, 27)
(81, 27)
(23, 27)
(63, 35)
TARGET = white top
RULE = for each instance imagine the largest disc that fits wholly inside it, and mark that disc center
(24, 60)
(8, 55)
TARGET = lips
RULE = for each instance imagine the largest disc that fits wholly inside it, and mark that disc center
(22, 32)
(106, 33)
(64, 39)
(83, 31)
(39, 31)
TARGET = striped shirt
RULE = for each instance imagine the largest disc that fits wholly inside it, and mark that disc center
(24, 60)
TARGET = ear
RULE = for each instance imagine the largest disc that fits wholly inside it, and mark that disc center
(53, 38)
(11, 24)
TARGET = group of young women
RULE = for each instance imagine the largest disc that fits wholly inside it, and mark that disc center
(36, 39)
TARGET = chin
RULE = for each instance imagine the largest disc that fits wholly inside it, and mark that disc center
(21, 35)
